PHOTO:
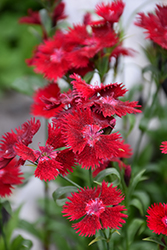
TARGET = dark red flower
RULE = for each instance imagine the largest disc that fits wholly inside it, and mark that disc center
(85, 45)
(111, 12)
(50, 162)
(9, 176)
(105, 97)
(163, 147)
(47, 101)
(58, 13)
(97, 208)
(32, 18)
(50, 58)
(23, 135)
(155, 25)
(84, 133)
(157, 218)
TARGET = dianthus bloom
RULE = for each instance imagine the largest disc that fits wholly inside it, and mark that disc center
(9, 176)
(157, 218)
(155, 25)
(50, 162)
(23, 135)
(84, 133)
(111, 12)
(163, 147)
(99, 208)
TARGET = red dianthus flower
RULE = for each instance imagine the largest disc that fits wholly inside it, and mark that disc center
(84, 133)
(155, 25)
(50, 162)
(105, 97)
(9, 176)
(99, 208)
(111, 12)
(47, 101)
(157, 218)
(23, 135)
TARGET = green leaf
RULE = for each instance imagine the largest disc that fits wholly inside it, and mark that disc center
(134, 228)
(143, 197)
(96, 239)
(132, 122)
(102, 66)
(12, 224)
(137, 203)
(135, 180)
(19, 243)
(108, 172)
(62, 191)
(155, 240)
(143, 125)
(145, 155)
(7, 206)
(45, 19)
(31, 228)
(28, 84)
(88, 76)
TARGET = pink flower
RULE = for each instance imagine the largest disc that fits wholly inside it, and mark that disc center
(97, 208)
(163, 147)
(157, 218)
(9, 176)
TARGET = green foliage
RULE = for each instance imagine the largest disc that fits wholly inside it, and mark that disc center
(16, 42)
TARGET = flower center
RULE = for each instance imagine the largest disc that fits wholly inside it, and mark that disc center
(91, 42)
(46, 152)
(56, 57)
(95, 207)
(92, 134)
(164, 220)
(109, 100)
(2, 172)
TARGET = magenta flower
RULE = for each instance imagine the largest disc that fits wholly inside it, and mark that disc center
(99, 208)
(163, 147)
(157, 218)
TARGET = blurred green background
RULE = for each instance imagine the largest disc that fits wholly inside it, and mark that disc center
(16, 43)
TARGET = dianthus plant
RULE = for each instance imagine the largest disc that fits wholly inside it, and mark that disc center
(83, 145)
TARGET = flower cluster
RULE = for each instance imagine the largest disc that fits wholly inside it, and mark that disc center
(81, 121)
(81, 48)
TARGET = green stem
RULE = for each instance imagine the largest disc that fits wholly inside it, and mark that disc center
(67, 179)
(2, 231)
(147, 114)
(46, 208)
(90, 177)
(107, 239)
